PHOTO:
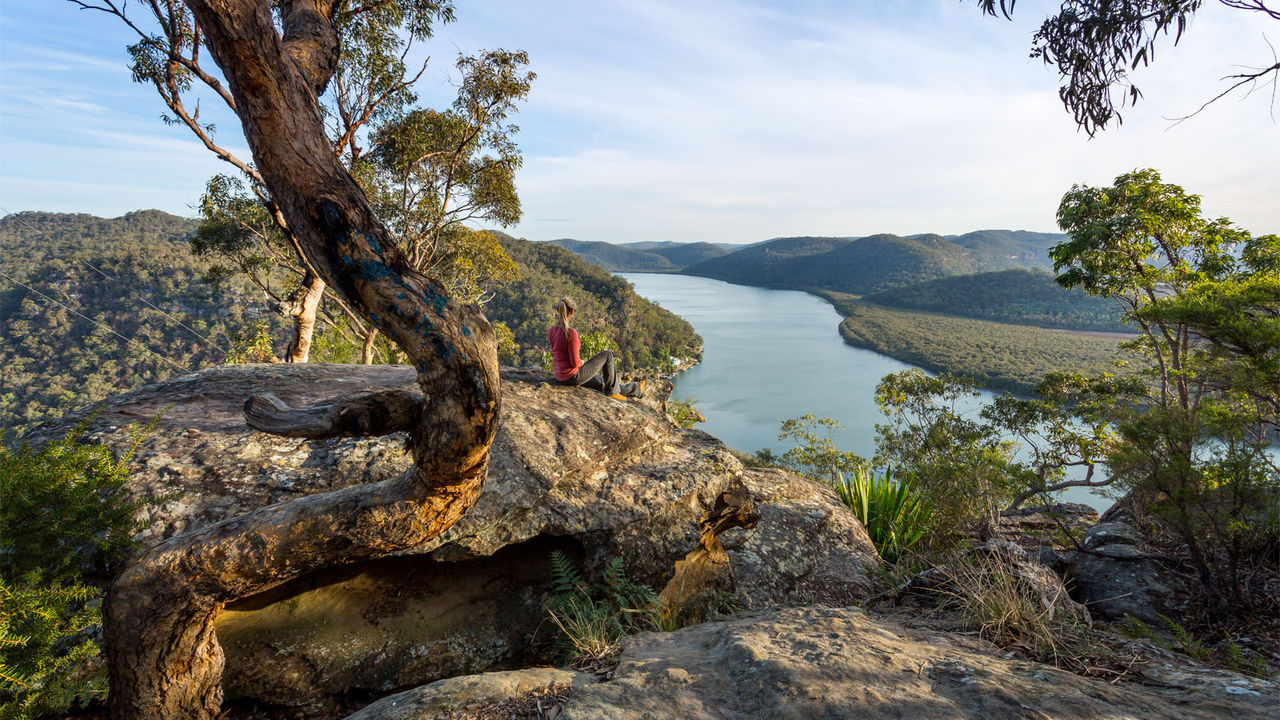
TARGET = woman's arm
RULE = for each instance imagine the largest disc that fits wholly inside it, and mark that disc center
(576, 343)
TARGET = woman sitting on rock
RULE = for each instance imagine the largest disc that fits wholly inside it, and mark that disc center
(598, 373)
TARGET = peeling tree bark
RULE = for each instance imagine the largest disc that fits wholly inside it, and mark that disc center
(302, 306)
(163, 658)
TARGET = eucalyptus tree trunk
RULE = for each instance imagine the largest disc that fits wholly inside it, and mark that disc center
(302, 306)
(366, 352)
(163, 657)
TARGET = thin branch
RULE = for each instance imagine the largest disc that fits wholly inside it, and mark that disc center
(1242, 79)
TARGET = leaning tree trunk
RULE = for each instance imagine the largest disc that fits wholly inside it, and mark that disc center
(163, 658)
(302, 306)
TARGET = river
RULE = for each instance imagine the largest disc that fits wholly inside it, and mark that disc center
(769, 355)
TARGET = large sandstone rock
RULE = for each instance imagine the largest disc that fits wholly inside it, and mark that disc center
(1116, 575)
(823, 663)
(466, 694)
(571, 470)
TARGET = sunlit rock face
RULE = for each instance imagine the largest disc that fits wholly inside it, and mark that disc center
(571, 470)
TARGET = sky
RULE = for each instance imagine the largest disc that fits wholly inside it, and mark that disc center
(706, 120)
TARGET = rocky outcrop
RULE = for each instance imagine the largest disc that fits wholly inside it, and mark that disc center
(1046, 526)
(571, 470)
(1116, 575)
(824, 663)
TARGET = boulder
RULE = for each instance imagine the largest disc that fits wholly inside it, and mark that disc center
(823, 663)
(1047, 526)
(571, 470)
(1115, 575)
(470, 693)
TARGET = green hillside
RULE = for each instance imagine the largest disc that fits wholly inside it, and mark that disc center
(91, 278)
(1005, 249)
(88, 278)
(873, 263)
(1023, 297)
(765, 264)
(641, 256)
(879, 261)
(685, 254)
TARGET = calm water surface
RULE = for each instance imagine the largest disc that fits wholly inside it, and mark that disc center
(769, 355)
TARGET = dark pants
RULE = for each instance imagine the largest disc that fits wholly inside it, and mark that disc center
(598, 373)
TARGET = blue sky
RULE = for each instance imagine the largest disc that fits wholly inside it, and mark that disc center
(704, 120)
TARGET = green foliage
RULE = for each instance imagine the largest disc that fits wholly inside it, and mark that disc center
(595, 342)
(43, 647)
(1000, 356)
(815, 454)
(251, 344)
(1195, 436)
(65, 514)
(895, 515)
(1236, 659)
(431, 172)
(1135, 628)
(960, 464)
(65, 517)
(1095, 46)
(1188, 643)
(508, 350)
(1020, 297)
(684, 412)
(593, 617)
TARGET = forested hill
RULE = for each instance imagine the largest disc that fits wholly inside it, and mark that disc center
(31, 238)
(877, 262)
(1023, 297)
(646, 334)
(90, 278)
(642, 256)
(1003, 249)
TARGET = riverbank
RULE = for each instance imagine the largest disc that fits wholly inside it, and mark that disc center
(1001, 356)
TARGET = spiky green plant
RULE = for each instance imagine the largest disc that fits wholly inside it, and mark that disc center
(895, 516)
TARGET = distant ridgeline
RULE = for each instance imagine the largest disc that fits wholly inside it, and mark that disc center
(135, 275)
(999, 275)
(644, 256)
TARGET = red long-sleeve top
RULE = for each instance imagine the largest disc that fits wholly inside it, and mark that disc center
(564, 352)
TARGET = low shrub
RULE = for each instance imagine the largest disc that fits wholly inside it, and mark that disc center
(64, 518)
(593, 617)
(684, 413)
(44, 647)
